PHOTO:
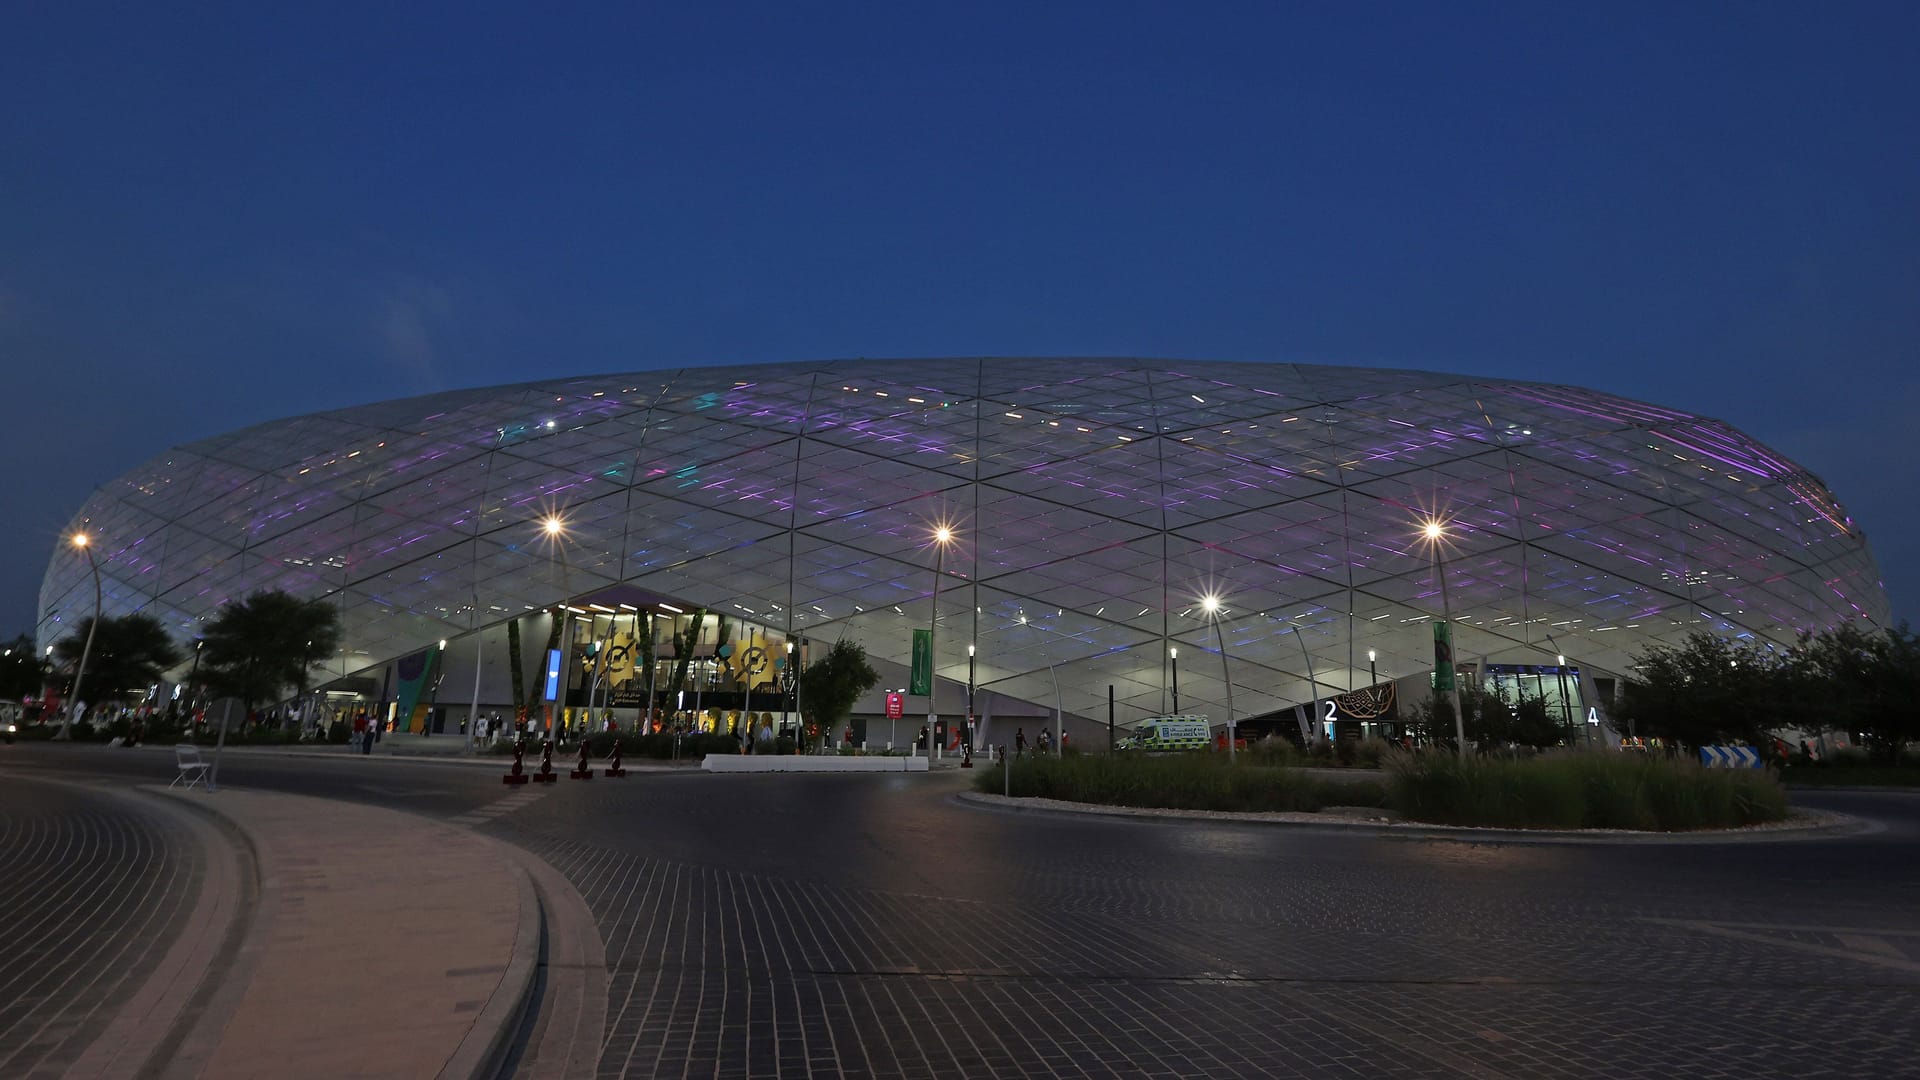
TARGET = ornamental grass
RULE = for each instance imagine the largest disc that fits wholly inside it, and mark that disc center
(1582, 790)
(1188, 781)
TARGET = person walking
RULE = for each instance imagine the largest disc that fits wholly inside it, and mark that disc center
(1019, 741)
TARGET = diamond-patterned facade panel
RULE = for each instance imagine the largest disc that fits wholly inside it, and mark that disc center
(1096, 504)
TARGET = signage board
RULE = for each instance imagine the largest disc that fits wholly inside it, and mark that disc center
(552, 690)
(1442, 656)
(922, 680)
(896, 706)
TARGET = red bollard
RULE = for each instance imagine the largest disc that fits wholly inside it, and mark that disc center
(580, 771)
(519, 774)
(613, 766)
(546, 775)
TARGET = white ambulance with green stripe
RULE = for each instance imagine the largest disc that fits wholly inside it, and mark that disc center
(1165, 733)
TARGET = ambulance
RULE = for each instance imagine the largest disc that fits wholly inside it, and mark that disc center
(1166, 733)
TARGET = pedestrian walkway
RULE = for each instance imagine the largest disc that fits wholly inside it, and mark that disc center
(515, 799)
(379, 944)
(409, 754)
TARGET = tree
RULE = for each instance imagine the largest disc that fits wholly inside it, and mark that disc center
(831, 684)
(129, 654)
(258, 646)
(1710, 690)
(1492, 721)
(21, 672)
(1863, 683)
(513, 659)
(1530, 723)
(683, 643)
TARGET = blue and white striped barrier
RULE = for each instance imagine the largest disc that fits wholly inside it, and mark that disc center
(1729, 757)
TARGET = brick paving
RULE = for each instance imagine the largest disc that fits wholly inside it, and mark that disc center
(863, 928)
(94, 887)
(871, 926)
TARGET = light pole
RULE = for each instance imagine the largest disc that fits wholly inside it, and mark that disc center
(786, 698)
(193, 677)
(479, 521)
(81, 541)
(798, 666)
(969, 697)
(1436, 534)
(1566, 703)
(1211, 605)
(1173, 662)
(1373, 679)
(942, 536)
(1059, 714)
(554, 528)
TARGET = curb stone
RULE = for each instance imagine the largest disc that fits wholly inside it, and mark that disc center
(1804, 824)
(283, 930)
(480, 1055)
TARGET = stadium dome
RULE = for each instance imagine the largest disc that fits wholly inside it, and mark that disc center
(1095, 505)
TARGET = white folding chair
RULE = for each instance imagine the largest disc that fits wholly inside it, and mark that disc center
(186, 757)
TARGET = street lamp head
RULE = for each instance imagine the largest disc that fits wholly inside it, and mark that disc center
(1210, 603)
(443, 643)
(1560, 660)
(81, 540)
(553, 525)
(1434, 530)
(1173, 653)
(942, 535)
(1372, 656)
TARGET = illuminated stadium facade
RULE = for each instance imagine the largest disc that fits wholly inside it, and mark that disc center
(1094, 506)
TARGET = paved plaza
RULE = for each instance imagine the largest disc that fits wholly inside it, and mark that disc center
(877, 926)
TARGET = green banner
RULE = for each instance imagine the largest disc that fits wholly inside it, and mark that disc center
(1442, 656)
(922, 681)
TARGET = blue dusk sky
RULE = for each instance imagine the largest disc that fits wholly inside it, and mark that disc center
(213, 215)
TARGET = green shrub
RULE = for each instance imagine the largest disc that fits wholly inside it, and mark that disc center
(1369, 753)
(1176, 781)
(1272, 750)
(1581, 790)
(1849, 756)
